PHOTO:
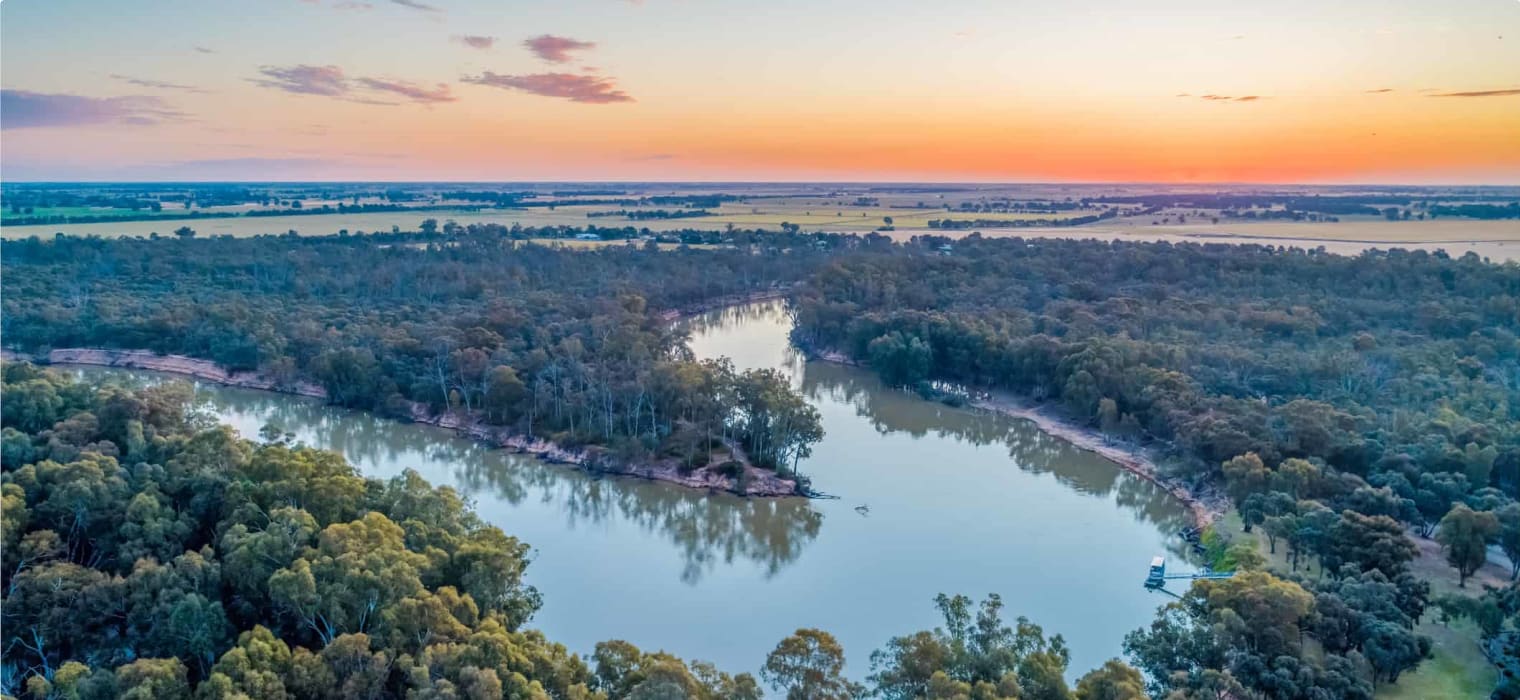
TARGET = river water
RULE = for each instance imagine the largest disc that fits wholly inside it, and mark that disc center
(930, 499)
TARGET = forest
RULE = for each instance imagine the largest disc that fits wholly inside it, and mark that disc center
(149, 553)
(1339, 401)
(563, 345)
(1344, 404)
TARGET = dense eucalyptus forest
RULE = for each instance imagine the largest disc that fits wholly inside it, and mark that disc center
(1342, 403)
(149, 553)
(568, 346)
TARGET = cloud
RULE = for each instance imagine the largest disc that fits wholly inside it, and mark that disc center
(157, 84)
(475, 42)
(416, 5)
(576, 88)
(1378, 91)
(327, 81)
(411, 91)
(654, 156)
(1225, 98)
(202, 49)
(1480, 93)
(330, 81)
(556, 49)
(21, 109)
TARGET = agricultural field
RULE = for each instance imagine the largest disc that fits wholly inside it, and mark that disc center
(1146, 213)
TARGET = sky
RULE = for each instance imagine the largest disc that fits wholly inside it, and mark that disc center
(1293, 91)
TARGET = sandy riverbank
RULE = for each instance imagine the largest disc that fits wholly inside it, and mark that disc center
(757, 482)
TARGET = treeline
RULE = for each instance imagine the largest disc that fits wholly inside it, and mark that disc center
(564, 345)
(1478, 211)
(1360, 204)
(343, 208)
(967, 224)
(153, 213)
(1004, 205)
(1338, 400)
(646, 214)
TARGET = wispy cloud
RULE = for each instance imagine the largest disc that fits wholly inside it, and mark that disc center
(1225, 98)
(1480, 93)
(157, 84)
(412, 91)
(416, 5)
(202, 49)
(576, 88)
(22, 109)
(556, 49)
(475, 42)
(327, 81)
(331, 81)
(1378, 91)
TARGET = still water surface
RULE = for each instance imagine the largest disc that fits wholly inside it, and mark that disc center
(930, 499)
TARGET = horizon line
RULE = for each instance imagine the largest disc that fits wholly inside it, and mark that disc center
(715, 182)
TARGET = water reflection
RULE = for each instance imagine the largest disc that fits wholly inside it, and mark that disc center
(891, 411)
(706, 529)
(957, 501)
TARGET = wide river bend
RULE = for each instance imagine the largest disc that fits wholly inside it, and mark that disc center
(930, 499)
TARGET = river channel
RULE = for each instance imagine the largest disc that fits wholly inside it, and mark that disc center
(929, 499)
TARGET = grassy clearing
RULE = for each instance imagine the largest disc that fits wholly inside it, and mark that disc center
(1457, 667)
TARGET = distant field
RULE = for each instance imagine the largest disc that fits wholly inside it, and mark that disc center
(738, 215)
(311, 224)
(1365, 230)
(1497, 240)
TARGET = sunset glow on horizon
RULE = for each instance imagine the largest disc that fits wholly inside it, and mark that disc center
(892, 90)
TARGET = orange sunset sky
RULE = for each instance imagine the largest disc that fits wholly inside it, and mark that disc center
(1400, 91)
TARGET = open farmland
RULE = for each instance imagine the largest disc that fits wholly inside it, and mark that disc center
(1128, 212)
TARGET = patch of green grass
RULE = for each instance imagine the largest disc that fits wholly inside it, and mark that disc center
(1457, 669)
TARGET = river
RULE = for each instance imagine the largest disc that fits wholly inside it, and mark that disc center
(930, 499)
